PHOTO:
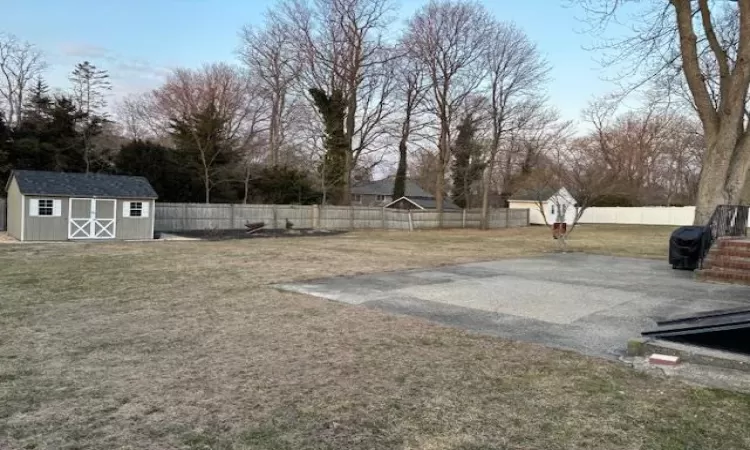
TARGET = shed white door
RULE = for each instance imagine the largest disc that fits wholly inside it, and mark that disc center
(92, 218)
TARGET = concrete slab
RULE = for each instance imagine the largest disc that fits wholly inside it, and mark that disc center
(588, 303)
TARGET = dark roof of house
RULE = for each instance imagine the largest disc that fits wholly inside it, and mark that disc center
(33, 182)
(431, 203)
(428, 203)
(385, 187)
(539, 195)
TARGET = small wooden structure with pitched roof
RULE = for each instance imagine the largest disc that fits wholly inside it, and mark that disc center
(59, 206)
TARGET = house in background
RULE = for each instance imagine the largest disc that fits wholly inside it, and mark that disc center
(58, 206)
(546, 206)
(380, 193)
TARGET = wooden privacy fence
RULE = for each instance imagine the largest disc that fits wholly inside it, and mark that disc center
(3, 214)
(203, 216)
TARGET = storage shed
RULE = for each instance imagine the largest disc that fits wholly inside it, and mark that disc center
(59, 206)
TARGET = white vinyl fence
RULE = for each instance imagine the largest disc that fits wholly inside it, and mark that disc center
(646, 215)
(643, 215)
(202, 216)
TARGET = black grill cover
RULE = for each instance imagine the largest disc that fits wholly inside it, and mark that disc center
(685, 246)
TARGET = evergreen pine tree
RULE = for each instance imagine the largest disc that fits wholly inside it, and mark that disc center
(90, 85)
(467, 165)
(201, 140)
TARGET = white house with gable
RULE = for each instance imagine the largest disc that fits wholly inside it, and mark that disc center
(546, 206)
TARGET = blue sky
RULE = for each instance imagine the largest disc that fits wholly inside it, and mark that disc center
(139, 41)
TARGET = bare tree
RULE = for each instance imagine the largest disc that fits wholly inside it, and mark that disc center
(255, 133)
(273, 57)
(140, 118)
(345, 51)
(219, 91)
(20, 63)
(517, 72)
(699, 39)
(574, 167)
(652, 153)
(424, 169)
(450, 39)
(411, 89)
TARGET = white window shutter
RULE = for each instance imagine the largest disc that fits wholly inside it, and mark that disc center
(125, 209)
(144, 211)
(34, 207)
(57, 208)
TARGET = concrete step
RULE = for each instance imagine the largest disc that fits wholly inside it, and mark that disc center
(732, 276)
(722, 261)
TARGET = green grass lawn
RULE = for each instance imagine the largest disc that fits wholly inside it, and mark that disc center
(184, 344)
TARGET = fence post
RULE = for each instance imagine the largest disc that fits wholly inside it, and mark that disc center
(315, 211)
(411, 222)
(231, 216)
(382, 218)
(463, 218)
(184, 217)
(507, 217)
(351, 217)
(275, 217)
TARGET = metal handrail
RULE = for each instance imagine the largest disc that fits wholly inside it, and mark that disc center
(726, 221)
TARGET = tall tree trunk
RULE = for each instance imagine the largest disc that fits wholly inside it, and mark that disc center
(349, 160)
(346, 186)
(486, 192)
(726, 161)
(86, 160)
(207, 184)
(399, 184)
(724, 173)
(745, 196)
(439, 185)
(444, 150)
(466, 194)
(274, 130)
(247, 186)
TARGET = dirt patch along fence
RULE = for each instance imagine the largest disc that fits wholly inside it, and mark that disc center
(3, 214)
(203, 216)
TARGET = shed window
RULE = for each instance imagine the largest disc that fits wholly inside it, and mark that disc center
(46, 207)
(136, 209)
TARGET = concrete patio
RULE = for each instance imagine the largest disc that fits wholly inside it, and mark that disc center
(587, 303)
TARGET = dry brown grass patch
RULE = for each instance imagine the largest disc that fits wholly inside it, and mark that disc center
(185, 345)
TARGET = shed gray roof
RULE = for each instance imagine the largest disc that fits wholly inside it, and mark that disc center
(385, 187)
(34, 182)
